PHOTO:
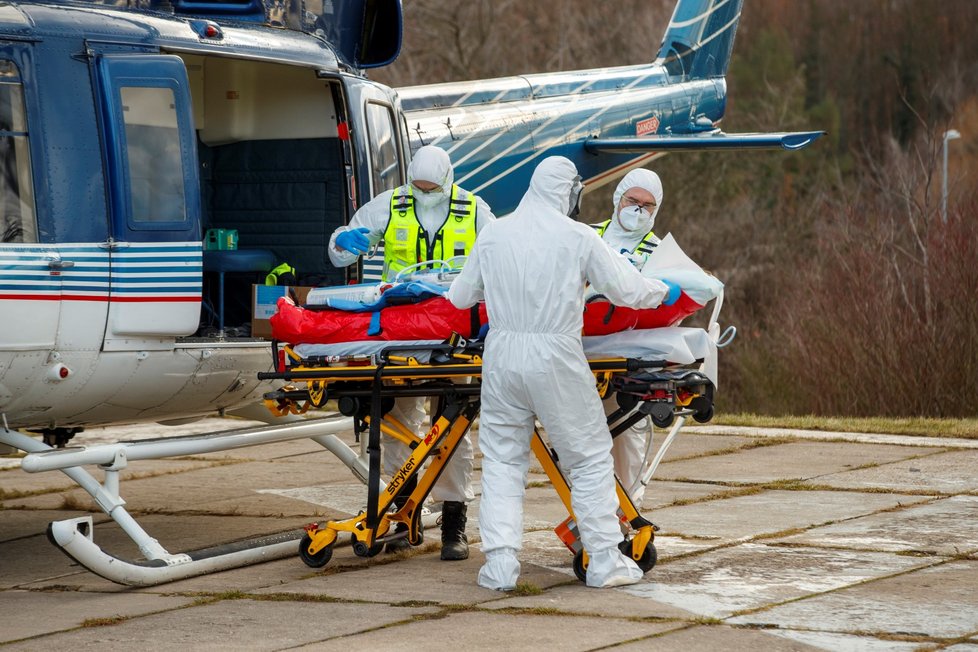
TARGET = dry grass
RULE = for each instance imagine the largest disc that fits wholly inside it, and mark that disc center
(916, 426)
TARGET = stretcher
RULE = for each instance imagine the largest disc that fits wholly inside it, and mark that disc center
(667, 375)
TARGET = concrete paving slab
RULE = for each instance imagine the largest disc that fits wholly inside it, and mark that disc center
(962, 647)
(32, 562)
(51, 486)
(482, 630)
(237, 625)
(952, 472)
(749, 576)
(716, 637)
(543, 509)
(849, 642)
(424, 577)
(699, 532)
(344, 497)
(798, 460)
(832, 435)
(19, 523)
(939, 601)
(738, 639)
(141, 431)
(577, 599)
(179, 533)
(267, 575)
(942, 527)
(769, 512)
(34, 613)
(210, 487)
(543, 548)
(689, 444)
(661, 493)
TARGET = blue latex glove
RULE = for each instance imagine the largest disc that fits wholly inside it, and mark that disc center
(674, 292)
(355, 241)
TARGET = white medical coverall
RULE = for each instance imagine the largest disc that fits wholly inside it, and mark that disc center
(628, 449)
(429, 164)
(531, 269)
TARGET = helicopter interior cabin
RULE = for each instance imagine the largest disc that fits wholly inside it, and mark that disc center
(272, 172)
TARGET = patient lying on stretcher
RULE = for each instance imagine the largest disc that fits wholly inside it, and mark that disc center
(415, 308)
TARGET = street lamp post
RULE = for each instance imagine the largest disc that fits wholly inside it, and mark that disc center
(950, 134)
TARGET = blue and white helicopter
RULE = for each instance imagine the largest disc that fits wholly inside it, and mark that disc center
(130, 129)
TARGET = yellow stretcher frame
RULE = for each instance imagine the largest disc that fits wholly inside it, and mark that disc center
(404, 375)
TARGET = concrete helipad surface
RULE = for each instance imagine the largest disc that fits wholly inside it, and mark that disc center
(769, 540)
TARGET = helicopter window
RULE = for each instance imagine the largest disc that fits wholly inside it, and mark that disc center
(385, 165)
(17, 220)
(153, 151)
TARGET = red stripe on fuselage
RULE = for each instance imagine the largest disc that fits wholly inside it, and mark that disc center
(82, 297)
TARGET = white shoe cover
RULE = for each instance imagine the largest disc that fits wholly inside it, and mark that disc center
(500, 571)
(611, 568)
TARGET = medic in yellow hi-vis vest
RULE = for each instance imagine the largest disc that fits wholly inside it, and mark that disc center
(635, 203)
(407, 243)
(429, 218)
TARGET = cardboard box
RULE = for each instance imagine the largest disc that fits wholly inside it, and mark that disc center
(263, 305)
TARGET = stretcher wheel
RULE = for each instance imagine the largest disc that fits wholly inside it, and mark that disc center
(317, 393)
(648, 558)
(360, 549)
(579, 568)
(646, 562)
(702, 409)
(420, 539)
(662, 415)
(317, 560)
(348, 405)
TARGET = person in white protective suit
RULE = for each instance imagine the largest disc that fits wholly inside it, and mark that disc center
(531, 269)
(629, 232)
(429, 218)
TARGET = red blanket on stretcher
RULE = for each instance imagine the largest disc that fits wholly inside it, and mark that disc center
(437, 319)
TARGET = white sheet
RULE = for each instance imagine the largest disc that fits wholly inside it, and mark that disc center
(677, 344)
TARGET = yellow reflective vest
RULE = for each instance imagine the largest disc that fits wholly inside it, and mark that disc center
(406, 242)
(645, 247)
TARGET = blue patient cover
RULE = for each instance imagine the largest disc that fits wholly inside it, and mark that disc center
(400, 294)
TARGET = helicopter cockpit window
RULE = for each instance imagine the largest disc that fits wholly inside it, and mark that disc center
(17, 220)
(153, 151)
(385, 164)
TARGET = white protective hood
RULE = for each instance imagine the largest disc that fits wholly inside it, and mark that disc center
(617, 237)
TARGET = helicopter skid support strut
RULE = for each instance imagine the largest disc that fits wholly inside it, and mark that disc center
(75, 536)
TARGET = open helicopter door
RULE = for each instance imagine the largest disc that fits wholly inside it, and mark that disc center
(154, 198)
(387, 155)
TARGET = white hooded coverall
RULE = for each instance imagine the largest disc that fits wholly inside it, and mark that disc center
(429, 164)
(531, 269)
(629, 447)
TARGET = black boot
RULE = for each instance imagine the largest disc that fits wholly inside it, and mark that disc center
(454, 543)
(398, 545)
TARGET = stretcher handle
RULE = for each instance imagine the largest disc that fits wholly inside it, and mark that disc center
(388, 351)
(388, 354)
(634, 364)
(611, 306)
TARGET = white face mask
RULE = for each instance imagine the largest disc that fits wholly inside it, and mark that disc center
(429, 200)
(634, 218)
